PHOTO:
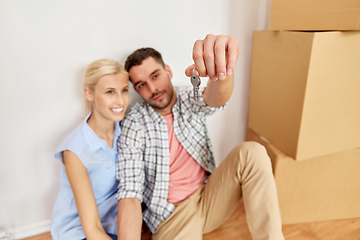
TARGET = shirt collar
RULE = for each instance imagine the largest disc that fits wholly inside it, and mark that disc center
(157, 116)
(94, 142)
(154, 114)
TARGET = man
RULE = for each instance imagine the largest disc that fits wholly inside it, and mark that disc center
(166, 160)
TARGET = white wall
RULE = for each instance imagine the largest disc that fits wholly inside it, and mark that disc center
(45, 47)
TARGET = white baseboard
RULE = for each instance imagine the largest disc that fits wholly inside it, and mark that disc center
(30, 230)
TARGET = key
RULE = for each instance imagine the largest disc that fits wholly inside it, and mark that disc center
(195, 81)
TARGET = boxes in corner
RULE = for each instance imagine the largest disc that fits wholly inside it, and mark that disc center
(304, 106)
(318, 189)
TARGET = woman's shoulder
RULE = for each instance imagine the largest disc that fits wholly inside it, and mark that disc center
(75, 141)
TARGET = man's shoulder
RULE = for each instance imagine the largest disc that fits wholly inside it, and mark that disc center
(139, 111)
(186, 97)
(183, 91)
(183, 95)
(186, 101)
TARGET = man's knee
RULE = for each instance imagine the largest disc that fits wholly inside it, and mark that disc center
(253, 152)
(251, 147)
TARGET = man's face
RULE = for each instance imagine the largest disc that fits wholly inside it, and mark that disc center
(153, 82)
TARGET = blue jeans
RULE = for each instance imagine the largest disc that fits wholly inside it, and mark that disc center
(114, 237)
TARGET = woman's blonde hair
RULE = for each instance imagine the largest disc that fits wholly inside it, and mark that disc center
(95, 71)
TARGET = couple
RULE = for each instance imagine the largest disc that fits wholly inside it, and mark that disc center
(163, 156)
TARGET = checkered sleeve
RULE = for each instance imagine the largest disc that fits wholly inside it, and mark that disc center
(130, 164)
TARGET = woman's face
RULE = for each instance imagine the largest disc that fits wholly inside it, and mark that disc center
(110, 96)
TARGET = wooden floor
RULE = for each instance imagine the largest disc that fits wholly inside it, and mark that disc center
(236, 228)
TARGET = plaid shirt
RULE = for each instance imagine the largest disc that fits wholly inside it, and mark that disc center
(143, 160)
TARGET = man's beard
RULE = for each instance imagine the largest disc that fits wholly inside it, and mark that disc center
(156, 106)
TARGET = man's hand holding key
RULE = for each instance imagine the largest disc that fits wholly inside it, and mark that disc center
(195, 81)
(214, 57)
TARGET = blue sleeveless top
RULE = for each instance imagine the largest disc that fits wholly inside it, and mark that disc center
(100, 161)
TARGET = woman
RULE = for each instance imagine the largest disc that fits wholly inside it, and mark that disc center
(86, 207)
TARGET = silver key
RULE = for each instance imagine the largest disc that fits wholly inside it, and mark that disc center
(195, 81)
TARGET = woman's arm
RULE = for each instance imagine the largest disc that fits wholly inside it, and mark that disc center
(84, 197)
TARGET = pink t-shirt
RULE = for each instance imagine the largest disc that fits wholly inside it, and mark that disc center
(186, 175)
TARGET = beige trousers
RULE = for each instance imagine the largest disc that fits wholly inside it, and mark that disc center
(246, 172)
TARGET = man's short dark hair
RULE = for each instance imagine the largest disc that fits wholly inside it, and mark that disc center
(139, 55)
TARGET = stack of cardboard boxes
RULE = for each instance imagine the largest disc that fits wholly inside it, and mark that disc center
(304, 106)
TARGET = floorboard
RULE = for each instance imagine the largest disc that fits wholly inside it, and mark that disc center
(236, 228)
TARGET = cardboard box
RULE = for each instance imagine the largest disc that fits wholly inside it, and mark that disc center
(321, 189)
(305, 91)
(315, 15)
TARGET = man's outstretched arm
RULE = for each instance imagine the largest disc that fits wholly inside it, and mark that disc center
(129, 219)
(215, 57)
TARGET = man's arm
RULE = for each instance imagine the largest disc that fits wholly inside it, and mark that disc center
(215, 57)
(131, 177)
(217, 93)
(129, 219)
